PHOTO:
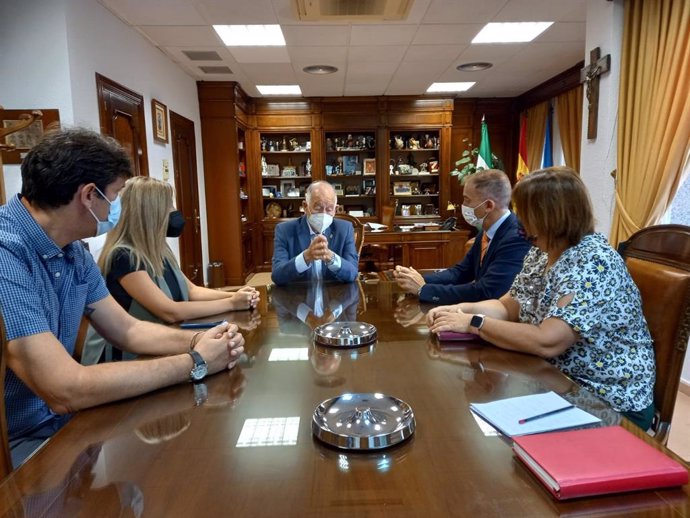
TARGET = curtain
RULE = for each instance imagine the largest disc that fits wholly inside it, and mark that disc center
(536, 130)
(569, 110)
(653, 113)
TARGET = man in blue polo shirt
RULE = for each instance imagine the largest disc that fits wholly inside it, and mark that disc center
(48, 281)
(488, 269)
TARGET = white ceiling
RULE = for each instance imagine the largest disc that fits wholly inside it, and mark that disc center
(380, 58)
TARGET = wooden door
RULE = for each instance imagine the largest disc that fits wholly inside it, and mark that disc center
(187, 190)
(121, 114)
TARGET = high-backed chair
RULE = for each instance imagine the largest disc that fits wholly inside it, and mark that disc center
(358, 227)
(658, 259)
(5, 458)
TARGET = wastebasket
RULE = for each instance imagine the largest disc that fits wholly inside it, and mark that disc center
(216, 274)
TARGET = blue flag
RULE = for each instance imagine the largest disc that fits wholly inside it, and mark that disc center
(548, 148)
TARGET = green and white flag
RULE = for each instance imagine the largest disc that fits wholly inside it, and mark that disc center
(484, 157)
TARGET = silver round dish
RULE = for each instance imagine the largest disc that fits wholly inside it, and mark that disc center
(345, 334)
(370, 421)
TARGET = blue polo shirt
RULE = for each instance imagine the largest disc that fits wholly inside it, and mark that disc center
(43, 288)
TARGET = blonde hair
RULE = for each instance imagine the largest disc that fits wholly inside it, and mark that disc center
(146, 206)
(554, 203)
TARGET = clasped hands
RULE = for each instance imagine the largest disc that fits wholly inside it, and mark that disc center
(318, 250)
(409, 279)
(448, 318)
(245, 298)
(221, 347)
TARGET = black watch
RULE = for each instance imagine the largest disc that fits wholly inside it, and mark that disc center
(200, 369)
(476, 323)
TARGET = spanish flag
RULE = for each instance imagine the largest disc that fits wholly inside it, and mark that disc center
(522, 168)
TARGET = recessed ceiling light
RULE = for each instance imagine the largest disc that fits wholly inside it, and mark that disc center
(474, 67)
(511, 32)
(320, 69)
(279, 89)
(250, 35)
(450, 87)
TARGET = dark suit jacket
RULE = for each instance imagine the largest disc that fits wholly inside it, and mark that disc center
(468, 281)
(293, 237)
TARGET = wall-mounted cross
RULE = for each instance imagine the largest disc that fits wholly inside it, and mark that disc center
(590, 76)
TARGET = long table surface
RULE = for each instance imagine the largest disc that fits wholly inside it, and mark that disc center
(241, 444)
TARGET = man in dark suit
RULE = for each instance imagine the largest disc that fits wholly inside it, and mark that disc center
(488, 269)
(315, 246)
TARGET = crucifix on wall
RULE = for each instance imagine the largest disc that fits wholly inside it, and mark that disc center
(590, 76)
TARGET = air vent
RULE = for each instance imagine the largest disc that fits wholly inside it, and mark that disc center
(216, 70)
(202, 55)
(353, 10)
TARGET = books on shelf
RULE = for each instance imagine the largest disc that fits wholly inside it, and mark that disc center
(534, 413)
(597, 461)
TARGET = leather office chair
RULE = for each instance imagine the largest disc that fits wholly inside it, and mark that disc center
(658, 259)
(5, 457)
(359, 230)
(378, 257)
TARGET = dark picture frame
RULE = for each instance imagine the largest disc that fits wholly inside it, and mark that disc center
(159, 113)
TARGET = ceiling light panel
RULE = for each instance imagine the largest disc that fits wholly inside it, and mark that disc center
(251, 35)
(279, 89)
(510, 32)
(450, 87)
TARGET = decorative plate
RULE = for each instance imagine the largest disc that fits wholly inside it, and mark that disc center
(273, 210)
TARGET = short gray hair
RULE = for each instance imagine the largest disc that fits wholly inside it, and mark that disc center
(321, 184)
(492, 184)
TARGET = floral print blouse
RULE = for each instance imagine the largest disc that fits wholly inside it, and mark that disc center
(614, 357)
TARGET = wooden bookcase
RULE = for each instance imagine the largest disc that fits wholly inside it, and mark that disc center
(260, 154)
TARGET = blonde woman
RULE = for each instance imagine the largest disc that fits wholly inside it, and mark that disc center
(142, 273)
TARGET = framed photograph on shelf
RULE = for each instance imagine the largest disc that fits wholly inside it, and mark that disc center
(351, 164)
(338, 187)
(286, 186)
(272, 170)
(352, 190)
(160, 121)
(369, 167)
(289, 170)
(402, 188)
(369, 187)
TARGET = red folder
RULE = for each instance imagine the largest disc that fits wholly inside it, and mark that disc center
(597, 461)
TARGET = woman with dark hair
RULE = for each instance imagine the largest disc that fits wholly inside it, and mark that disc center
(574, 302)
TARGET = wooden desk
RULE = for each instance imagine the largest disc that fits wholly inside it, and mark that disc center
(423, 249)
(165, 457)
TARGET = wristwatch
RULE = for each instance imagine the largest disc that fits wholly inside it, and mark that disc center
(200, 368)
(476, 323)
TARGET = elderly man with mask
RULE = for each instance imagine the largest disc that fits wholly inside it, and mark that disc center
(315, 246)
(488, 269)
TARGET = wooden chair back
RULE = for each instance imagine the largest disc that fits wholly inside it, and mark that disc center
(5, 457)
(358, 227)
(658, 259)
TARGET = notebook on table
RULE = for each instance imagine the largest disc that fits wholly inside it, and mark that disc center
(597, 461)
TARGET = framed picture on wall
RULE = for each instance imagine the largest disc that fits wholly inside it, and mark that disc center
(160, 121)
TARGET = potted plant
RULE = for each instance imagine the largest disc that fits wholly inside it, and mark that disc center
(467, 165)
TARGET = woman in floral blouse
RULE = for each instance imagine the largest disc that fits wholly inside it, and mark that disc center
(574, 302)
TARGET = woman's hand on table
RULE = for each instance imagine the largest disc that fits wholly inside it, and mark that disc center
(244, 298)
(450, 318)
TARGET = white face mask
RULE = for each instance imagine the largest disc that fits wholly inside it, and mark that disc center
(320, 221)
(471, 217)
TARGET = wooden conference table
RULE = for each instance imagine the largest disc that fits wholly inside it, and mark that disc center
(172, 454)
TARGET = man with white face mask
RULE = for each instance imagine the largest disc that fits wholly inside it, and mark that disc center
(315, 246)
(488, 269)
(48, 282)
